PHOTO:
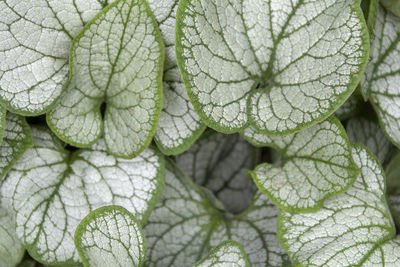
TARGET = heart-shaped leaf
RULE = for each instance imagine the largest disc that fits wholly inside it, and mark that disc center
(50, 191)
(367, 132)
(219, 162)
(280, 66)
(36, 37)
(348, 228)
(382, 76)
(11, 249)
(116, 59)
(179, 125)
(228, 253)
(316, 164)
(110, 236)
(184, 226)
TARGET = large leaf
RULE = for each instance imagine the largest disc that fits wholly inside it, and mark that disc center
(316, 164)
(185, 225)
(228, 253)
(219, 162)
(279, 65)
(11, 249)
(179, 125)
(348, 228)
(367, 132)
(49, 191)
(116, 59)
(110, 236)
(382, 76)
(36, 37)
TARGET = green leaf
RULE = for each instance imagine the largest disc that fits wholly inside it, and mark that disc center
(392, 172)
(184, 226)
(50, 190)
(382, 75)
(179, 124)
(219, 162)
(392, 6)
(117, 59)
(228, 253)
(367, 132)
(317, 163)
(350, 107)
(16, 140)
(11, 249)
(280, 66)
(110, 236)
(36, 36)
(348, 228)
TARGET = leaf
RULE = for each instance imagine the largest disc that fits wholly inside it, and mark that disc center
(219, 163)
(386, 254)
(392, 6)
(392, 172)
(184, 226)
(349, 226)
(227, 253)
(117, 59)
(17, 139)
(317, 164)
(36, 36)
(179, 125)
(11, 249)
(382, 75)
(279, 66)
(49, 191)
(367, 132)
(110, 236)
(349, 108)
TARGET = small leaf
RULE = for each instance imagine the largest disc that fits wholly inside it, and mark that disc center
(110, 236)
(350, 107)
(228, 253)
(280, 66)
(36, 37)
(219, 162)
(49, 191)
(382, 76)
(116, 59)
(11, 249)
(348, 227)
(392, 6)
(317, 164)
(184, 226)
(179, 124)
(17, 139)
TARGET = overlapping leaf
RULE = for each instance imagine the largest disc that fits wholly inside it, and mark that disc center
(349, 108)
(179, 125)
(348, 228)
(392, 6)
(228, 253)
(110, 236)
(36, 37)
(317, 164)
(279, 65)
(367, 132)
(116, 59)
(185, 225)
(49, 191)
(219, 162)
(382, 76)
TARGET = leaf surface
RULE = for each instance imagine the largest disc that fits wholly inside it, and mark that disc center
(280, 66)
(49, 191)
(36, 37)
(110, 236)
(185, 226)
(382, 76)
(317, 163)
(179, 125)
(228, 253)
(348, 228)
(392, 6)
(219, 162)
(117, 60)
